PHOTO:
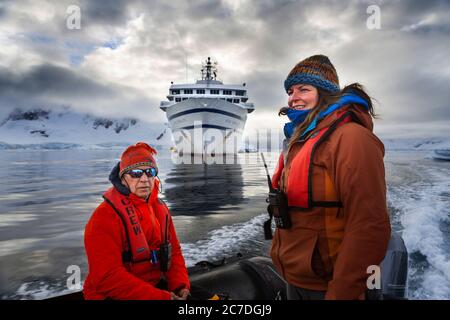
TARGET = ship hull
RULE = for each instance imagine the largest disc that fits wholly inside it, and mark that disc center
(206, 126)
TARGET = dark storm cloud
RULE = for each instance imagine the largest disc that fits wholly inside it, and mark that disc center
(266, 8)
(48, 79)
(2, 11)
(267, 89)
(429, 29)
(111, 12)
(423, 98)
(212, 9)
(403, 64)
(399, 15)
(365, 49)
(49, 86)
(418, 7)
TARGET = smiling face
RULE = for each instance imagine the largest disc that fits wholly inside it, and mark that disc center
(302, 97)
(141, 187)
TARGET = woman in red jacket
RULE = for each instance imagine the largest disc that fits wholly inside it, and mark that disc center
(130, 240)
(332, 173)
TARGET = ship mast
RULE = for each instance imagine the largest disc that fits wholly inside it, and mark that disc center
(209, 70)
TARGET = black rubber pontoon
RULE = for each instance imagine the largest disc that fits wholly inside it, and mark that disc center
(255, 278)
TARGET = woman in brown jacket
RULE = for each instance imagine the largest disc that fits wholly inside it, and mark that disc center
(332, 172)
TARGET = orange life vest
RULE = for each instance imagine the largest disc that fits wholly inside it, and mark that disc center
(138, 249)
(299, 183)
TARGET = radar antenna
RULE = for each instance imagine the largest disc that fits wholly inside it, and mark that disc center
(209, 70)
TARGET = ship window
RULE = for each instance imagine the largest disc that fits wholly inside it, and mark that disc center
(227, 92)
(244, 99)
(200, 91)
(240, 93)
(177, 99)
(187, 91)
(235, 100)
(175, 91)
(170, 98)
(230, 100)
(214, 91)
(184, 99)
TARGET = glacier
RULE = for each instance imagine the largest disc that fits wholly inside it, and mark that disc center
(68, 129)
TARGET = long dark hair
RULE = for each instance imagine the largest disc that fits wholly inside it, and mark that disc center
(325, 99)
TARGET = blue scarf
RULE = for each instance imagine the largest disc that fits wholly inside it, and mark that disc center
(298, 116)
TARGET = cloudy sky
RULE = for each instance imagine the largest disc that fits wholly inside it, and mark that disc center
(125, 54)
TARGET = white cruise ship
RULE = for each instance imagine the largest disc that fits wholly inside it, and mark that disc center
(207, 117)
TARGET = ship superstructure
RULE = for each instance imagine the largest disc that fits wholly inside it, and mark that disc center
(207, 117)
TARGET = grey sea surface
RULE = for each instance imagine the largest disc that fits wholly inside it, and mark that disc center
(47, 196)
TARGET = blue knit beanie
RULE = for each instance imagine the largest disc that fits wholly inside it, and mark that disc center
(317, 71)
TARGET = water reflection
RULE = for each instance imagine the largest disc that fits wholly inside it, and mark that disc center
(197, 189)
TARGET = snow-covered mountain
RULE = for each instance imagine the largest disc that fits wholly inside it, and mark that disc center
(417, 143)
(49, 129)
(41, 128)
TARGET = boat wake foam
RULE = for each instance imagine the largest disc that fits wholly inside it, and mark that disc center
(424, 215)
(225, 242)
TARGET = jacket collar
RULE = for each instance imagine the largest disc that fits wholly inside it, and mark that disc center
(115, 180)
(360, 114)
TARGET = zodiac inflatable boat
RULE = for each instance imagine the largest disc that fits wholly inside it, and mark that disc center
(255, 278)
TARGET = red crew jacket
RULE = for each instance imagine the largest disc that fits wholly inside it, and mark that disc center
(105, 240)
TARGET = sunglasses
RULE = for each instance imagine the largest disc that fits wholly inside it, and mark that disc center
(137, 173)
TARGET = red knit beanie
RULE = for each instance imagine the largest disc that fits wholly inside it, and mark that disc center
(140, 154)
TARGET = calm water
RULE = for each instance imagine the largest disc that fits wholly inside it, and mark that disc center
(47, 197)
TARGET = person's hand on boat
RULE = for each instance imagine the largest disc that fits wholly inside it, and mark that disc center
(173, 296)
(182, 295)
